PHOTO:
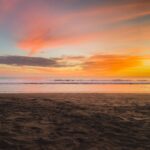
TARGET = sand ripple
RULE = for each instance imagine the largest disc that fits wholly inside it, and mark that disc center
(74, 122)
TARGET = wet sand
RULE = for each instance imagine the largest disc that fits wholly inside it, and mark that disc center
(74, 121)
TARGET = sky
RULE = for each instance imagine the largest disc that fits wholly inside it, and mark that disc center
(75, 38)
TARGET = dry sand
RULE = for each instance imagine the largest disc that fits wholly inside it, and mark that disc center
(75, 122)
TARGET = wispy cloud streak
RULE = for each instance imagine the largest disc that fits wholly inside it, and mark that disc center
(51, 30)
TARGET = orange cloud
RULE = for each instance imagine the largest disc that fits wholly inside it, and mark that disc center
(118, 65)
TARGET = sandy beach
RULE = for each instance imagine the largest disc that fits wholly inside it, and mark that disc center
(74, 121)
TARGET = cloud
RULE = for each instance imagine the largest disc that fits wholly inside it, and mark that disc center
(117, 65)
(123, 35)
(96, 65)
(6, 6)
(41, 62)
(21, 65)
(28, 61)
(43, 27)
(112, 62)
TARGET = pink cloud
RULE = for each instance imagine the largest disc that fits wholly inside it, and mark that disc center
(6, 6)
(43, 28)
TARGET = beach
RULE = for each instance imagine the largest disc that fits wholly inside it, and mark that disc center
(74, 121)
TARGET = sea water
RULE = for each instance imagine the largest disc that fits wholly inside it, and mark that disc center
(49, 85)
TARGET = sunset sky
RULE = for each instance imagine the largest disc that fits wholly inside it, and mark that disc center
(75, 38)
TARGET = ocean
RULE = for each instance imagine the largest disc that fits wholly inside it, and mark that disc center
(49, 85)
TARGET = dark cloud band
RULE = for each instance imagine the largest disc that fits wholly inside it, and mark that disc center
(28, 61)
